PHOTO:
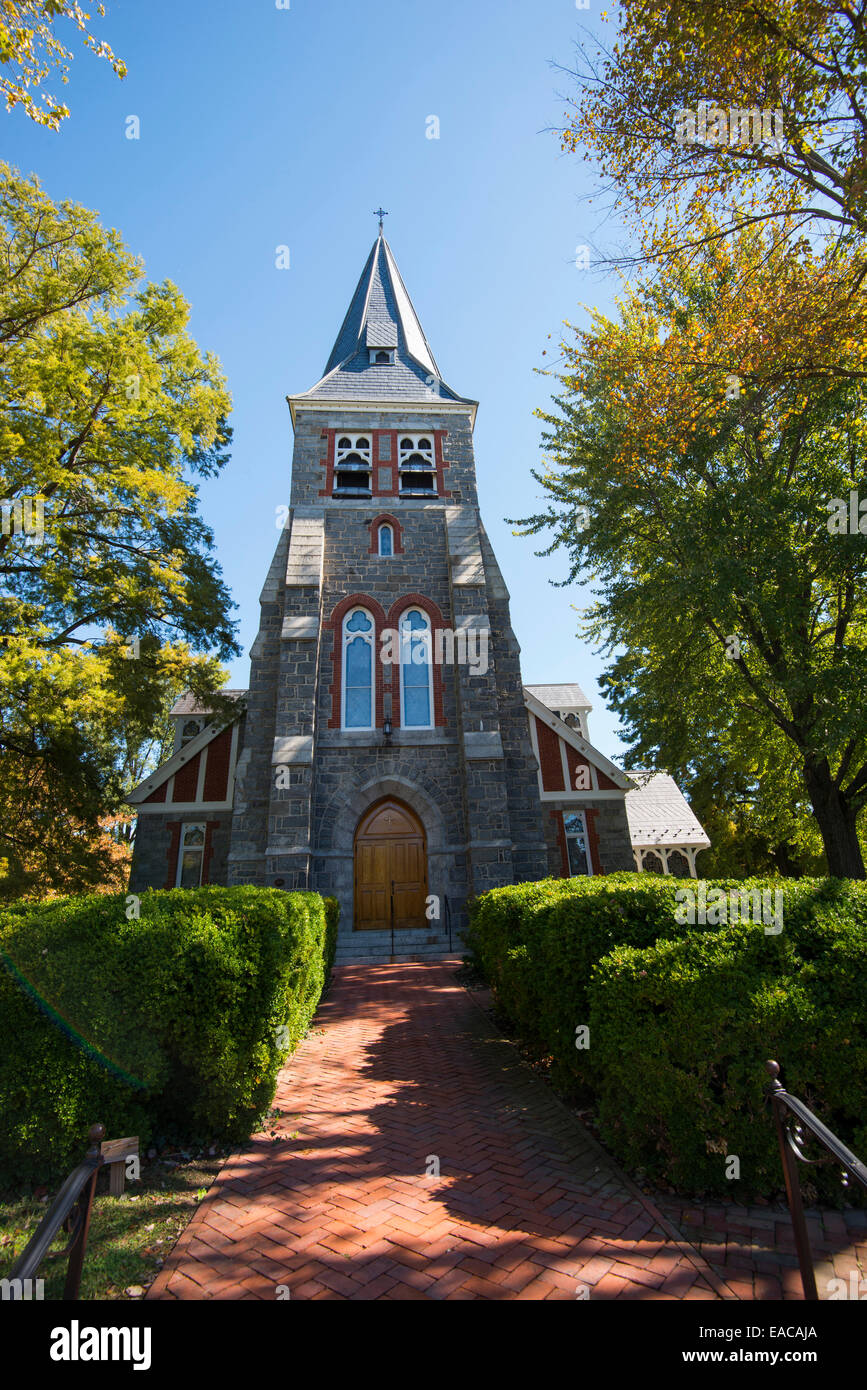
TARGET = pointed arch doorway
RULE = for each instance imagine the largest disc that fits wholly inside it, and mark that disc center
(390, 857)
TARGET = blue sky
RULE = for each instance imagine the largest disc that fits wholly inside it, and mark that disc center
(262, 127)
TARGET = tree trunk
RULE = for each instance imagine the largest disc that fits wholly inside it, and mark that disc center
(836, 821)
(782, 857)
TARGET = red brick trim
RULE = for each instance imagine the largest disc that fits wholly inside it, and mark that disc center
(207, 852)
(590, 814)
(335, 624)
(396, 528)
(186, 782)
(391, 463)
(440, 436)
(219, 755)
(415, 601)
(331, 435)
(440, 461)
(550, 760)
(437, 624)
(172, 852)
(328, 463)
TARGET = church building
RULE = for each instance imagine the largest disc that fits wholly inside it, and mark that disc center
(386, 751)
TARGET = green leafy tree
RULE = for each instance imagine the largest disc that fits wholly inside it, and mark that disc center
(109, 593)
(705, 509)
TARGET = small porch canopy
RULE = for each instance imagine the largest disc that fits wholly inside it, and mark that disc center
(662, 823)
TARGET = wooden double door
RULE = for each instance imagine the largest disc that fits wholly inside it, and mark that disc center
(390, 860)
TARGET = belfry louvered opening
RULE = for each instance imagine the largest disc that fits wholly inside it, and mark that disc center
(417, 464)
(352, 465)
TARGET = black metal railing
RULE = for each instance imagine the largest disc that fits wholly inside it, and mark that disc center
(792, 1117)
(448, 919)
(391, 916)
(70, 1210)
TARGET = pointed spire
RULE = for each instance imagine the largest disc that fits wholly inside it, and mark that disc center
(381, 320)
(381, 314)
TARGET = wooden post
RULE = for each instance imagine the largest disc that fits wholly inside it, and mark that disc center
(115, 1152)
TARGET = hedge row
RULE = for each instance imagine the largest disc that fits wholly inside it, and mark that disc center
(173, 1024)
(683, 1017)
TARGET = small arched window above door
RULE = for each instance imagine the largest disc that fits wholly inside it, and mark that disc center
(392, 542)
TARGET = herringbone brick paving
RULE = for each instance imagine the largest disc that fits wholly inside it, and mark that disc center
(402, 1070)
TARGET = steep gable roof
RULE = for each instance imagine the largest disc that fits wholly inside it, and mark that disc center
(573, 739)
(381, 315)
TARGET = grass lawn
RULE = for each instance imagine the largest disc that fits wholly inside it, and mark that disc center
(130, 1236)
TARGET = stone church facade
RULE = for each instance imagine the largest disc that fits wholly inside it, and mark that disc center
(386, 751)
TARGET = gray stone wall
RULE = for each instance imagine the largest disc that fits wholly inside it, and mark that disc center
(472, 781)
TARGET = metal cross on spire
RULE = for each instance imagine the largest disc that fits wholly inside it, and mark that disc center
(380, 213)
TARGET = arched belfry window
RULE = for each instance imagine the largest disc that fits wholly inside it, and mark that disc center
(358, 668)
(386, 539)
(416, 685)
(352, 464)
(417, 464)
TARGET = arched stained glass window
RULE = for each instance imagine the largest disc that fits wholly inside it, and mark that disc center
(416, 693)
(358, 635)
(386, 540)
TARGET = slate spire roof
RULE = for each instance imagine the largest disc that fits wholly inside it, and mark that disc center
(381, 316)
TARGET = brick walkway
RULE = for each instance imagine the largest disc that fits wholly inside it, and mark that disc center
(753, 1248)
(403, 1067)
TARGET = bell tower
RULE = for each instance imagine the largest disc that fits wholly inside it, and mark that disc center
(385, 677)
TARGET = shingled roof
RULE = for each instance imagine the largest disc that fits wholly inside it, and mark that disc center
(381, 315)
(557, 697)
(659, 813)
(189, 704)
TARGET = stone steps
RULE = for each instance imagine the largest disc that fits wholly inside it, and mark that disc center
(375, 948)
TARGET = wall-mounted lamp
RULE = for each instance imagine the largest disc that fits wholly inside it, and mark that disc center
(386, 728)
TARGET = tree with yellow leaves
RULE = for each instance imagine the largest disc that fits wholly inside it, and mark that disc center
(754, 111)
(111, 601)
(30, 48)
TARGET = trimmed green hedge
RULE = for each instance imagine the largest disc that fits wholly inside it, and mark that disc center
(332, 922)
(174, 1023)
(537, 945)
(682, 1018)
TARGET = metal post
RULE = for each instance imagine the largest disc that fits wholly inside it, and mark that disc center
(392, 919)
(80, 1220)
(793, 1191)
